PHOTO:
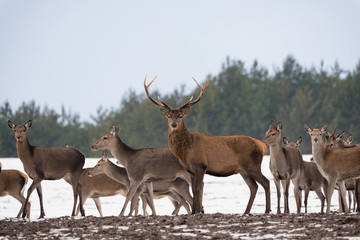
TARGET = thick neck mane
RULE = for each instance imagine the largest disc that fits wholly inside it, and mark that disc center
(179, 141)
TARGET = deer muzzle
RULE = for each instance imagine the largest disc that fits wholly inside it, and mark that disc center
(174, 125)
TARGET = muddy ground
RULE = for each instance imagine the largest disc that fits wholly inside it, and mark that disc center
(201, 226)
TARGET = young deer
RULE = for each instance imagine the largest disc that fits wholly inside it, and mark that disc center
(219, 156)
(13, 182)
(310, 179)
(47, 163)
(286, 164)
(99, 186)
(335, 164)
(177, 190)
(142, 165)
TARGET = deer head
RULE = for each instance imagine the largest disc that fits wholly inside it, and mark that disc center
(20, 131)
(315, 134)
(273, 135)
(175, 116)
(332, 140)
(100, 166)
(105, 141)
(292, 144)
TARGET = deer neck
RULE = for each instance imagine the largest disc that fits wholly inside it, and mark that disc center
(117, 173)
(122, 152)
(318, 152)
(24, 150)
(276, 152)
(179, 141)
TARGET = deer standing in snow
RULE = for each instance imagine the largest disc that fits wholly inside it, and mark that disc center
(47, 163)
(219, 156)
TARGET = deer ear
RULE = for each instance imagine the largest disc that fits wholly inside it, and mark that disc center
(299, 140)
(164, 112)
(340, 135)
(285, 140)
(279, 126)
(28, 124)
(324, 128)
(185, 111)
(307, 128)
(105, 155)
(272, 125)
(114, 129)
(349, 138)
(11, 125)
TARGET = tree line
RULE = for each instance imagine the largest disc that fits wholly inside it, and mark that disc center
(238, 101)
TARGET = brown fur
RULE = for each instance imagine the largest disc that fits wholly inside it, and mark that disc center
(13, 182)
(201, 153)
(335, 164)
(48, 163)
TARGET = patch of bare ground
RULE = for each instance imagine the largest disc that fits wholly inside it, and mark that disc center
(200, 226)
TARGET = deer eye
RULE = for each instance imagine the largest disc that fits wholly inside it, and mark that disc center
(273, 134)
(105, 138)
(181, 116)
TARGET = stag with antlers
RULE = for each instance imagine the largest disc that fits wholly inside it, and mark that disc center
(219, 156)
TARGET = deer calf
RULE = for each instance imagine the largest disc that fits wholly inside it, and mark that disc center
(177, 190)
(13, 182)
(310, 179)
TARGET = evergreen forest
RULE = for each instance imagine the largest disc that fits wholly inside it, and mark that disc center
(238, 101)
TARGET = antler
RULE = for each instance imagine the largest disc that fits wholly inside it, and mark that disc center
(161, 103)
(190, 103)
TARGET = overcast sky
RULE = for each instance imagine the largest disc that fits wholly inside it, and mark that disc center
(85, 54)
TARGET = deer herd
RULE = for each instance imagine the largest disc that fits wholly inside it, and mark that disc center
(152, 173)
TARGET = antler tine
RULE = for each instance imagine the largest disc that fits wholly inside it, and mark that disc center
(334, 131)
(190, 102)
(161, 103)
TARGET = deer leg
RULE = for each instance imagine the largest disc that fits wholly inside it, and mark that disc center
(322, 199)
(98, 205)
(39, 191)
(180, 201)
(342, 190)
(253, 189)
(36, 182)
(307, 190)
(149, 187)
(144, 199)
(298, 197)
(286, 184)
(77, 191)
(22, 200)
(134, 185)
(83, 200)
(341, 202)
(197, 187)
(278, 193)
(329, 193)
(357, 194)
(265, 183)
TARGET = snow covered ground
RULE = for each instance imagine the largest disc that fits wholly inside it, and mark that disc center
(223, 195)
